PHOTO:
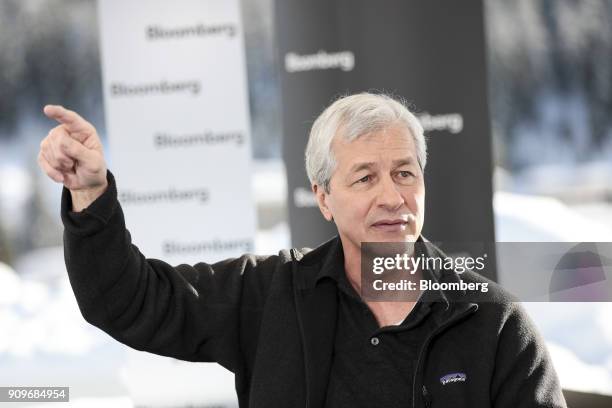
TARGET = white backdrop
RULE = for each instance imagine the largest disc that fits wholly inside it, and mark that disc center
(177, 115)
(178, 125)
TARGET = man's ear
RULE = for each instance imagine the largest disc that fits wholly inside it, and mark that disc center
(321, 197)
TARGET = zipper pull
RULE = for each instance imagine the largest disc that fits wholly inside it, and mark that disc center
(426, 397)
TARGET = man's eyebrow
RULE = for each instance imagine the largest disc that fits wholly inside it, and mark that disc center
(361, 166)
(402, 162)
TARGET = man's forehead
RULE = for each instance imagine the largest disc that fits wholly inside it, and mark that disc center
(397, 145)
(393, 138)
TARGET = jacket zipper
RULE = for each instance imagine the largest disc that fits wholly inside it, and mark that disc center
(424, 393)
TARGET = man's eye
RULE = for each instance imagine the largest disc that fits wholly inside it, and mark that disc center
(364, 179)
(406, 174)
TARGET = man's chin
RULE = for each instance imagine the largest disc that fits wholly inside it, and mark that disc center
(388, 246)
(392, 237)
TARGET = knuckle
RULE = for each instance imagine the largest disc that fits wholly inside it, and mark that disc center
(64, 144)
(50, 149)
(53, 163)
(64, 162)
(55, 133)
(52, 133)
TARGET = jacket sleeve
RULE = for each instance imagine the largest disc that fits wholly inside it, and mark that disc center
(524, 374)
(187, 312)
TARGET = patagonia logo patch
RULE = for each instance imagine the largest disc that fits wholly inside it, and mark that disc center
(453, 378)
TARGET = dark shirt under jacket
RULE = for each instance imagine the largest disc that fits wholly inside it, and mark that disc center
(373, 366)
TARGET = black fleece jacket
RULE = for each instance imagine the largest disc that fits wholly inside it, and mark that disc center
(262, 317)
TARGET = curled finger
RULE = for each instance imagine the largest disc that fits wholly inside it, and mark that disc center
(54, 174)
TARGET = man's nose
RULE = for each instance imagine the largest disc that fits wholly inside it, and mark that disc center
(389, 195)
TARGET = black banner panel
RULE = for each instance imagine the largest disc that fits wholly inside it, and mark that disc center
(431, 53)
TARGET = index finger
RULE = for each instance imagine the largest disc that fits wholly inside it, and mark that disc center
(72, 120)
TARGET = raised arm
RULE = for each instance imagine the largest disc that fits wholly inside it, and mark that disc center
(191, 312)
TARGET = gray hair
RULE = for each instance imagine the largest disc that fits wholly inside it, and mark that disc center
(354, 116)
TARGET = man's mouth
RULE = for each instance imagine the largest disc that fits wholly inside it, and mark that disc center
(391, 225)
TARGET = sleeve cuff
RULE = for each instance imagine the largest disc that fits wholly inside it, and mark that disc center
(93, 218)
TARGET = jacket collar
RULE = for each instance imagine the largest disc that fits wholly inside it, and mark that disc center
(327, 260)
(328, 256)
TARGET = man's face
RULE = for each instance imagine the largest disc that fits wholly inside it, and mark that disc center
(377, 192)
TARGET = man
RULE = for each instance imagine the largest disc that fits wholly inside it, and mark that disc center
(293, 326)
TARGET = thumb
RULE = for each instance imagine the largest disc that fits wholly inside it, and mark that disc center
(76, 150)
